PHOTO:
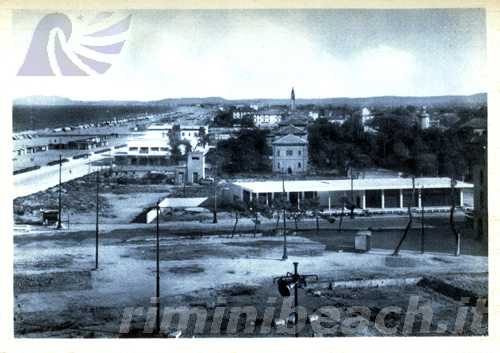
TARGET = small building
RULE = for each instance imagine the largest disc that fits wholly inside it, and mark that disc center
(385, 193)
(366, 116)
(193, 170)
(195, 167)
(145, 152)
(267, 118)
(50, 216)
(290, 155)
(423, 120)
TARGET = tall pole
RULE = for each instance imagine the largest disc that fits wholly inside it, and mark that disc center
(422, 231)
(215, 195)
(158, 268)
(296, 304)
(285, 256)
(59, 223)
(97, 221)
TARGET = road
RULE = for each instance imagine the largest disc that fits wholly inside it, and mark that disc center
(48, 176)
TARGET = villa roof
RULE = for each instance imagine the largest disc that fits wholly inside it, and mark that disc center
(290, 140)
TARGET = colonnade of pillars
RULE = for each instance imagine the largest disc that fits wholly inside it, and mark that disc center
(301, 197)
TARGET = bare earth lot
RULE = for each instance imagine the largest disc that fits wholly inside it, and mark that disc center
(57, 293)
(224, 285)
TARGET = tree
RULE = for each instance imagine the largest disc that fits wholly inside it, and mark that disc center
(248, 152)
(224, 118)
(247, 122)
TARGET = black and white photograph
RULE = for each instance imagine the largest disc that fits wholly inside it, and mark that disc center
(249, 173)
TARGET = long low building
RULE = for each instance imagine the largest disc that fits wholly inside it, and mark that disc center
(364, 193)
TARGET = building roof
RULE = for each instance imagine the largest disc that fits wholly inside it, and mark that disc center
(291, 129)
(345, 184)
(290, 140)
(475, 123)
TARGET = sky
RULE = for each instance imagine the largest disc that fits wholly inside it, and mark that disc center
(239, 54)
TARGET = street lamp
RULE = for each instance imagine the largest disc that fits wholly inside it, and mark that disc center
(97, 221)
(158, 308)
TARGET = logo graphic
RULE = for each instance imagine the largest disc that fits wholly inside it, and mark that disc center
(58, 48)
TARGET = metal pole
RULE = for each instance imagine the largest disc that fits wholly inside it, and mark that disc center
(158, 268)
(97, 222)
(422, 230)
(285, 256)
(296, 304)
(215, 195)
(59, 224)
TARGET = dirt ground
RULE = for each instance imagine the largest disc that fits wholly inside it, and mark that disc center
(58, 294)
(118, 203)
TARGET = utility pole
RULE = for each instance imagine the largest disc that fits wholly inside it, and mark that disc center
(59, 223)
(215, 194)
(97, 221)
(158, 268)
(422, 230)
(285, 256)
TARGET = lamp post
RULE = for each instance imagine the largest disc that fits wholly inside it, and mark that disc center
(158, 307)
(285, 256)
(422, 231)
(97, 221)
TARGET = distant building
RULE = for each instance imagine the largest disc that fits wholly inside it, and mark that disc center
(423, 120)
(313, 115)
(195, 167)
(193, 170)
(477, 126)
(267, 119)
(189, 133)
(366, 117)
(371, 193)
(240, 113)
(282, 131)
(290, 155)
(143, 152)
(338, 119)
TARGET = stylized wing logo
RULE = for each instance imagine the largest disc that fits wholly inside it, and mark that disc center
(56, 50)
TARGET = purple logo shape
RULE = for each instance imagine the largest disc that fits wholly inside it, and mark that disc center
(38, 62)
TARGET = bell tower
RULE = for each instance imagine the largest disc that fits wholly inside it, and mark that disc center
(292, 100)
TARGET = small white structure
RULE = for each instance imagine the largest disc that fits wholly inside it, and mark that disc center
(195, 167)
(424, 119)
(366, 116)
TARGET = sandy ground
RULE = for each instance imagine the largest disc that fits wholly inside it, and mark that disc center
(57, 293)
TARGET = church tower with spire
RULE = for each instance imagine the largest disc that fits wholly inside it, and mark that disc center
(292, 100)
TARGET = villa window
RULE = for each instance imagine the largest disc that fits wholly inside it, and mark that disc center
(289, 152)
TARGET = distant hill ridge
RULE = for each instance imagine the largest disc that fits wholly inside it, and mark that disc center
(479, 98)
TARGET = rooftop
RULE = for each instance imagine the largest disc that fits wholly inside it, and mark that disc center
(345, 184)
(290, 140)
